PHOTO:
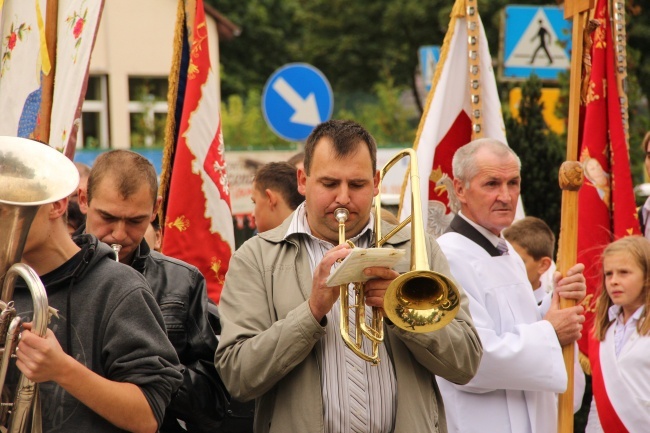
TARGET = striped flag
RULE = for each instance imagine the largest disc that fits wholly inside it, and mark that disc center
(31, 105)
(197, 219)
(463, 104)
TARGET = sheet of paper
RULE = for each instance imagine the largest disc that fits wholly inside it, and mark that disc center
(350, 270)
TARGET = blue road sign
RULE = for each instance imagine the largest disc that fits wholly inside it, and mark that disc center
(536, 40)
(296, 98)
(429, 56)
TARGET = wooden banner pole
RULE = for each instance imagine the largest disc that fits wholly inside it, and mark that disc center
(570, 178)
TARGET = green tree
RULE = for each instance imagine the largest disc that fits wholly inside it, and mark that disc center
(244, 127)
(271, 37)
(541, 152)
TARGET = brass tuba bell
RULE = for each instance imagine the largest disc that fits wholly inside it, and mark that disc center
(31, 174)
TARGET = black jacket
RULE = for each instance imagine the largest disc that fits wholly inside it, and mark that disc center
(179, 289)
(109, 322)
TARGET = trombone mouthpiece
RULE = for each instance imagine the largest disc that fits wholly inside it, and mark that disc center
(116, 248)
(341, 214)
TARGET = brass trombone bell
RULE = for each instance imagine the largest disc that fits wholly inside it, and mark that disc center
(420, 300)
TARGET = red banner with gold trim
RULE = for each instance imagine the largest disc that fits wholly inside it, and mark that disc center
(605, 213)
(198, 225)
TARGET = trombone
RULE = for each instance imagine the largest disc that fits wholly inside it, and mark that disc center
(419, 300)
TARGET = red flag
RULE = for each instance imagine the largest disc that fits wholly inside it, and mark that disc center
(605, 213)
(464, 72)
(196, 210)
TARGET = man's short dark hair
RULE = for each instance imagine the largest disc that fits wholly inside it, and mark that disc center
(345, 135)
(296, 159)
(128, 169)
(533, 235)
(75, 217)
(280, 177)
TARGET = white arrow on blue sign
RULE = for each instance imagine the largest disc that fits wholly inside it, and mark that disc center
(296, 98)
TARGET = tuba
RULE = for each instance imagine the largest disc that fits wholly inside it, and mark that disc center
(31, 174)
(420, 300)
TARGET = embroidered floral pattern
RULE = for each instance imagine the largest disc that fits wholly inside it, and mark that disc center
(199, 37)
(591, 93)
(181, 223)
(76, 22)
(215, 266)
(16, 34)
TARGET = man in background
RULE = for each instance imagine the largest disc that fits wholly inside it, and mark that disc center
(76, 216)
(275, 194)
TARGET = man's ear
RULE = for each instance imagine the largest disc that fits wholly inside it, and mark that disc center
(459, 189)
(302, 180)
(544, 265)
(271, 196)
(59, 208)
(82, 197)
(375, 181)
(156, 207)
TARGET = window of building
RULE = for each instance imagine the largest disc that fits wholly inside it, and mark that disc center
(93, 132)
(147, 111)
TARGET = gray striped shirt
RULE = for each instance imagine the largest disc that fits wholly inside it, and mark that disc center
(357, 396)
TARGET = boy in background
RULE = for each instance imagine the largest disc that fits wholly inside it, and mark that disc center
(275, 194)
(534, 241)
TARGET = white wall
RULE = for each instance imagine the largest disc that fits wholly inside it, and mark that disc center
(135, 39)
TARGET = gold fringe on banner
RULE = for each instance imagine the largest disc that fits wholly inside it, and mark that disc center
(584, 363)
(170, 124)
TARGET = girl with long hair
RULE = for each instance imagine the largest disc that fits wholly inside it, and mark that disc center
(619, 348)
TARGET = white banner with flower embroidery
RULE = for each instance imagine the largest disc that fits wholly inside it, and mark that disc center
(20, 67)
(77, 29)
(24, 63)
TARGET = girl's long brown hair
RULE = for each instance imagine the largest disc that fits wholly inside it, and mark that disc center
(638, 248)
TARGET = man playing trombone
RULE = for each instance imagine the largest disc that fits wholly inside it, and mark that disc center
(280, 342)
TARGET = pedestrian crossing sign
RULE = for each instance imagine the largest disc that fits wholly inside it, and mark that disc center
(428, 56)
(536, 40)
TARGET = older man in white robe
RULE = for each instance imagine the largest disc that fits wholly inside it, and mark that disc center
(522, 367)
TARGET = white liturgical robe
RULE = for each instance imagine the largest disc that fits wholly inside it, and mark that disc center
(522, 366)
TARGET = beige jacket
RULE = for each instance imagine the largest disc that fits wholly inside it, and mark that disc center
(268, 349)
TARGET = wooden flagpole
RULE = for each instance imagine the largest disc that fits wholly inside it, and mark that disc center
(42, 131)
(570, 179)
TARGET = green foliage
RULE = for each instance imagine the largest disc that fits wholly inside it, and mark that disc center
(244, 127)
(639, 122)
(271, 37)
(385, 116)
(382, 113)
(354, 43)
(541, 152)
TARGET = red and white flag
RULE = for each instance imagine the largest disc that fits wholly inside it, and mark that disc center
(197, 223)
(605, 213)
(463, 72)
(25, 62)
